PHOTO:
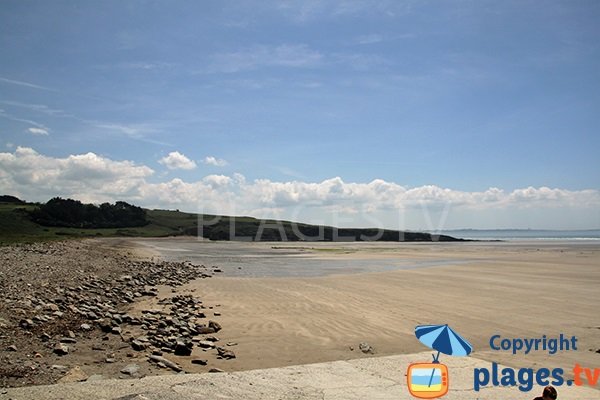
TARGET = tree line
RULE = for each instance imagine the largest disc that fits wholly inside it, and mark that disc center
(74, 214)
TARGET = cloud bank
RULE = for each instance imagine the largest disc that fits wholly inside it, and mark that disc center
(93, 178)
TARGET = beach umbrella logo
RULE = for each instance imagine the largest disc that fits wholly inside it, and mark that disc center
(429, 380)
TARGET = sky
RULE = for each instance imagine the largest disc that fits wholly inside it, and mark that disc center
(399, 114)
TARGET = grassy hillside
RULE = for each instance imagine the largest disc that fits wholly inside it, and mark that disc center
(17, 226)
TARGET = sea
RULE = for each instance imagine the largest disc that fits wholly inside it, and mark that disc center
(522, 234)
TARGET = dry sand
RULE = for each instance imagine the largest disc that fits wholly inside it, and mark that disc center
(514, 290)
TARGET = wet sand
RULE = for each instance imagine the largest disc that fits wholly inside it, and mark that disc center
(523, 289)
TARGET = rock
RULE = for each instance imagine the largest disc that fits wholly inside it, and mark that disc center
(75, 374)
(67, 340)
(85, 327)
(26, 323)
(215, 370)
(231, 344)
(166, 362)
(203, 330)
(116, 330)
(110, 360)
(183, 348)
(366, 348)
(131, 369)
(205, 344)
(105, 326)
(215, 325)
(12, 347)
(199, 361)
(61, 349)
(138, 346)
(59, 367)
(226, 354)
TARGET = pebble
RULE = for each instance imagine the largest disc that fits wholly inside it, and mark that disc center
(366, 348)
(166, 362)
(224, 353)
(131, 369)
(61, 349)
(199, 361)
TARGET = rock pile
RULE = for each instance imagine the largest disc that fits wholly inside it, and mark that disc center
(55, 296)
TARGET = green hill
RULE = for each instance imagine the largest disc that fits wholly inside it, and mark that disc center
(18, 224)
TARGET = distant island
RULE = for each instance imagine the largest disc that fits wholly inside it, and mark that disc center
(67, 218)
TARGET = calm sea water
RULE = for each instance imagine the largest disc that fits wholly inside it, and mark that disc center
(523, 234)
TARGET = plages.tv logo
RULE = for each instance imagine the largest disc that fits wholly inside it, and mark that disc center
(430, 380)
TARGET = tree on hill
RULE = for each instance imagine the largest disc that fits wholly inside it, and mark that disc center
(74, 214)
(10, 199)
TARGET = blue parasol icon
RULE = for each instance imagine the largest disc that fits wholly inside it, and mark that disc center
(443, 339)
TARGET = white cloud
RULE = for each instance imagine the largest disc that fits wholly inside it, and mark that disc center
(38, 131)
(217, 162)
(176, 160)
(90, 177)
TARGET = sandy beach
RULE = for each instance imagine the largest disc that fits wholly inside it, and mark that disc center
(516, 290)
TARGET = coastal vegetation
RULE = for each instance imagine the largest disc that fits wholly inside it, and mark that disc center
(22, 221)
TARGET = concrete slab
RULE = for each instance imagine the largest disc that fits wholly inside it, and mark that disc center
(372, 378)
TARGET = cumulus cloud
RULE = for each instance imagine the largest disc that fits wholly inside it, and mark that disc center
(88, 177)
(217, 162)
(38, 131)
(176, 160)
(91, 177)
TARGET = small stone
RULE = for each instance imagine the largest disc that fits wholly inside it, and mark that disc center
(206, 344)
(166, 362)
(95, 377)
(75, 374)
(26, 323)
(138, 346)
(116, 330)
(183, 348)
(224, 353)
(131, 369)
(231, 344)
(61, 349)
(12, 347)
(203, 330)
(366, 348)
(199, 361)
(215, 370)
(67, 340)
(110, 360)
(85, 327)
(215, 325)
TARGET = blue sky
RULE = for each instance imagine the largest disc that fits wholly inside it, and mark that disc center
(298, 103)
